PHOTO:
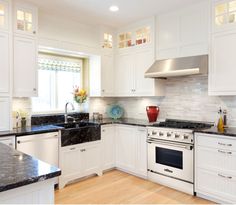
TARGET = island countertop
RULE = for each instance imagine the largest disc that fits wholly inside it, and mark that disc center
(18, 169)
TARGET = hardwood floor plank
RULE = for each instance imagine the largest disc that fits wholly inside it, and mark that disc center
(116, 187)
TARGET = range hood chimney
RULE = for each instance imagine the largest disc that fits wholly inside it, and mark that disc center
(178, 67)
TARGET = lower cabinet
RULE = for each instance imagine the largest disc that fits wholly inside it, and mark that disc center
(215, 168)
(79, 161)
(131, 149)
(108, 146)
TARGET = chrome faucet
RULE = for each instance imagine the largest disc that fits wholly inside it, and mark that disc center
(66, 110)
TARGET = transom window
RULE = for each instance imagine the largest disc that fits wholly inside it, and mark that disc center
(24, 21)
(108, 41)
(57, 76)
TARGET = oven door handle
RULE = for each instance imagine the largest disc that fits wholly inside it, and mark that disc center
(188, 147)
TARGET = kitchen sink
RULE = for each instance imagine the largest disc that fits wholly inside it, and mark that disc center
(79, 132)
(76, 125)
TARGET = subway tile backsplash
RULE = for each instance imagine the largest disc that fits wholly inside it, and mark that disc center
(186, 98)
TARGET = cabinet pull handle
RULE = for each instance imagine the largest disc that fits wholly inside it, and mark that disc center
(223, 152)
(72, 148)
(226, 177)
(34, 89)
(223, 144)
(83, 150)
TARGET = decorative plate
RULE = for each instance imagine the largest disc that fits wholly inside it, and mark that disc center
(115, 112)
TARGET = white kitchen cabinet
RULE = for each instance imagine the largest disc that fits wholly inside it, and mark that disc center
(124, 78)
(25, 19)
(79, 161)
(215, 168)
(4, 114)
(4, 14)
(223, 15)
(108, 146)
(184, 32)
(131, 151)
(107, 70)
(129, 74)
(4, 64)
(102, 75)
(126, 148)
(8, 140)
(222, 64)
(141, 151)
(25, 67)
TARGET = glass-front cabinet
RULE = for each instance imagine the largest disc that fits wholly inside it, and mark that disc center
(135, 37)
(3, 14)
(25, 20)
(224, 13)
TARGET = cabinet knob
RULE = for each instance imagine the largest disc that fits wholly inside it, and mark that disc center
(18, 142)
(34, 32)
(34, 89)
(103, 91)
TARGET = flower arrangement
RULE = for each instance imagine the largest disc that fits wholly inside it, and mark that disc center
(80, 95)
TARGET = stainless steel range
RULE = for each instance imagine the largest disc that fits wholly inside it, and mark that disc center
(170, 153)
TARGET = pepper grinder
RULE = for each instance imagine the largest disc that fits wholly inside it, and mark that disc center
(225, 118)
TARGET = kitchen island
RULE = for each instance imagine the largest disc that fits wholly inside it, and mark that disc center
(25, 179)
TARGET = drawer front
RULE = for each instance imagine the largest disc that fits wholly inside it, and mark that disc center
(216, 159)
(212, 141)
(217, 185)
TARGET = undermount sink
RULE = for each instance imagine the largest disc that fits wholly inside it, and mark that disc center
(76, 125)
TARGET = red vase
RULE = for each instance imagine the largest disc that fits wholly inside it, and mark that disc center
(152, 113)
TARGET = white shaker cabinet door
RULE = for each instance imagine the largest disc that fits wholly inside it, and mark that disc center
(223, 64)
(108, 142)
(4, 64)
(143, 60)
(25, 67)
(124, 82)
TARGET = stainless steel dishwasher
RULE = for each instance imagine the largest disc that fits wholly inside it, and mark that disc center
(41, 146)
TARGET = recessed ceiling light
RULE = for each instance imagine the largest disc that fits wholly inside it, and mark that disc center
(114, 8)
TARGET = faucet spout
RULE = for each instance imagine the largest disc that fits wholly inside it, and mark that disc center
(66, 110)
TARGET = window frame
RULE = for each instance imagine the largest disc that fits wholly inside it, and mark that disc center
(54, 98)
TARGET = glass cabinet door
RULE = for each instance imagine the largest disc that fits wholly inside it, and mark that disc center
(225, 13)
(3, 15)
(25, 21)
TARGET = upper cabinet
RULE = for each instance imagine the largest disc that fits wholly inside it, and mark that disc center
(25, 19)
(222, 53)
(4, 64)
(25, 50)
(183, 33)
(4, 15)
(223, 15)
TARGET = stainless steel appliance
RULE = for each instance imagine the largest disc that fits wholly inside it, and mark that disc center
(170, 153)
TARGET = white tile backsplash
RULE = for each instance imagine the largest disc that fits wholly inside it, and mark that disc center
(186, 98)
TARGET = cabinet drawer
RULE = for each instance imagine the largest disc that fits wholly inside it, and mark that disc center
(216, 142)
(216, 159)
(217, 185)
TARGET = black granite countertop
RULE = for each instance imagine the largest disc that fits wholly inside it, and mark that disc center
(125, 121)
(18, 169)
(31, 130)
(231, 131)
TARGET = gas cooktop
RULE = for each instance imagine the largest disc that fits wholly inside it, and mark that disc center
(181, 124)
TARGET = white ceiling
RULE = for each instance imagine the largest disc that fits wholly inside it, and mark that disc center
(97, 11)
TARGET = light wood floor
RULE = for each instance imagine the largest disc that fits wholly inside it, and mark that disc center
(116, 187)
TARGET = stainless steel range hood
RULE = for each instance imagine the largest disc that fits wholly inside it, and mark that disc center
(178, 67)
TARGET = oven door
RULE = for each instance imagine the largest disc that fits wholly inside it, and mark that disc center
(171, 159)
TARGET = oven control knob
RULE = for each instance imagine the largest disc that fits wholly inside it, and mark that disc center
(177, 136)
(185, 137)
(168, 134)
(161, 134)
(154, 133)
